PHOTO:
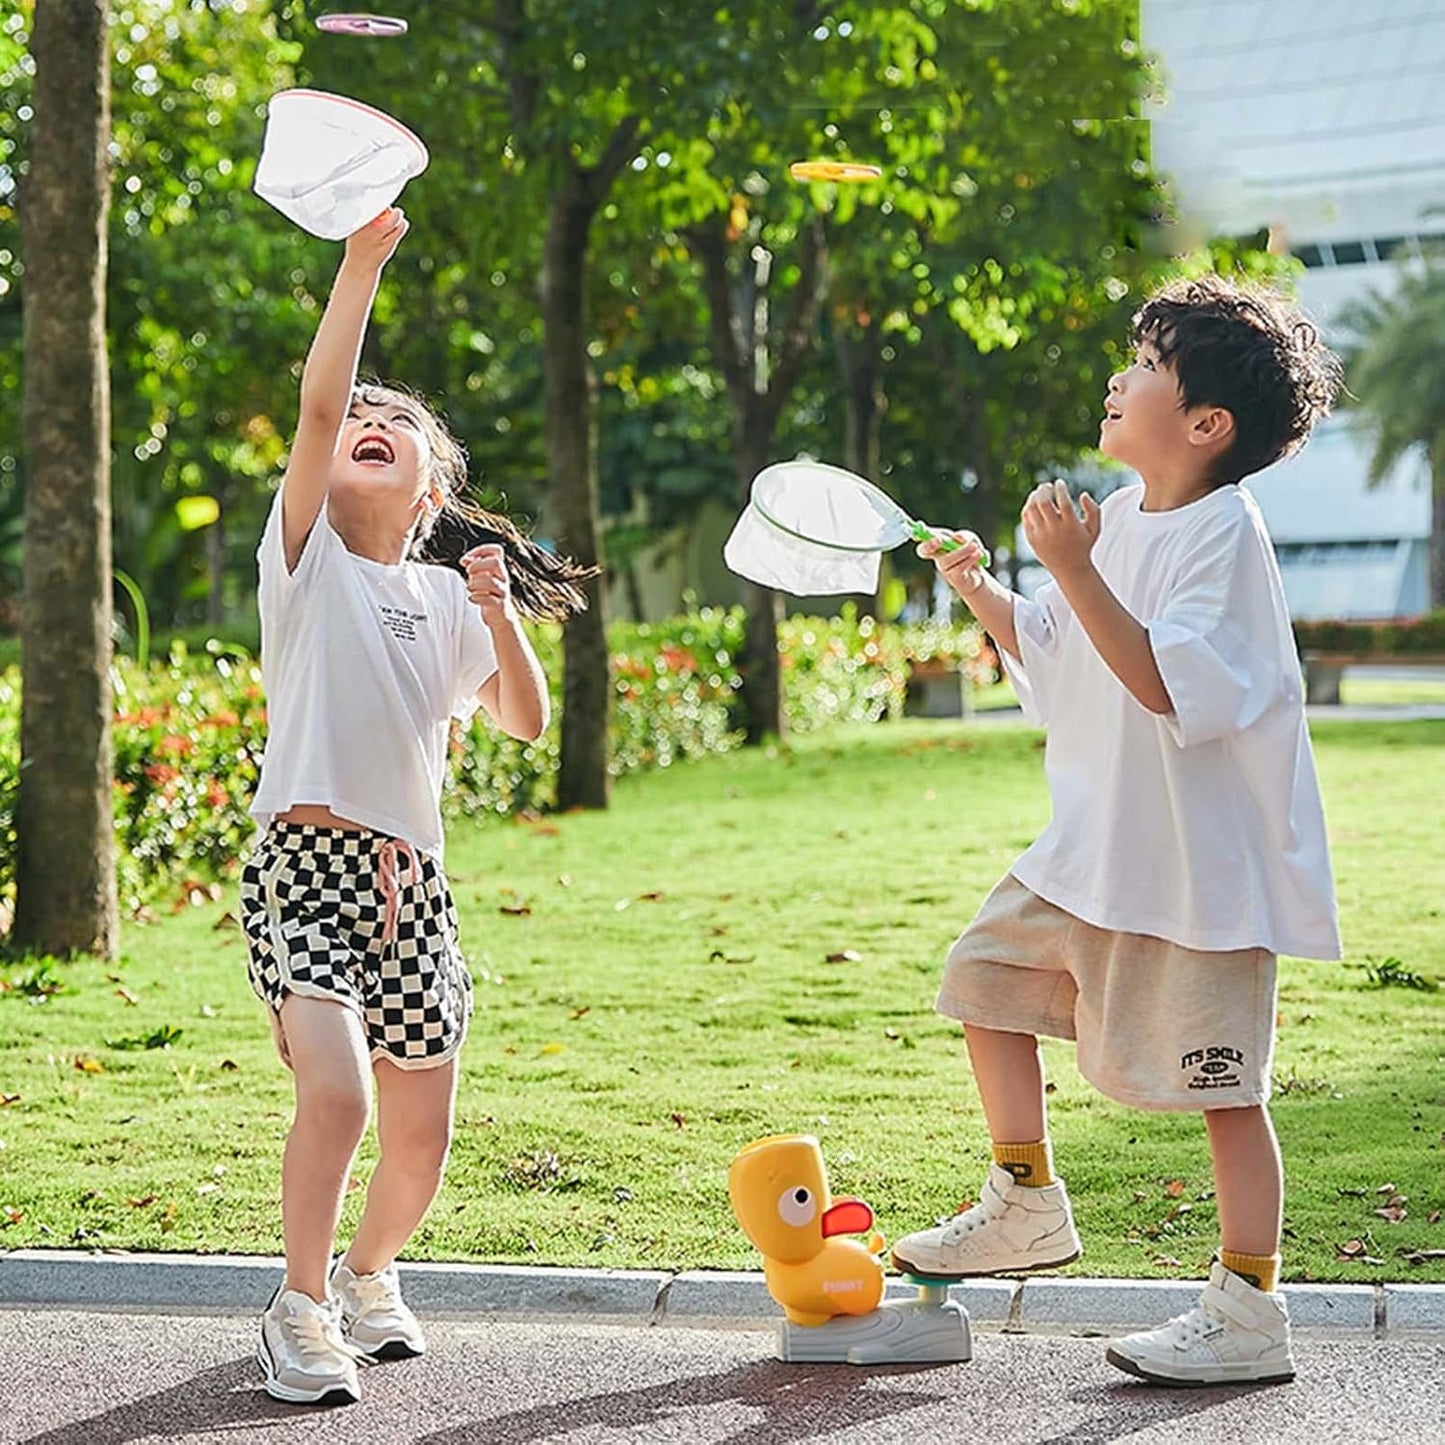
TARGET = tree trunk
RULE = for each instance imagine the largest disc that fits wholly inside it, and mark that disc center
(1437, 528)
(761, 363)
(761, 666)
(864, 403)
(65, 859)
(216, 559)
(582, 780)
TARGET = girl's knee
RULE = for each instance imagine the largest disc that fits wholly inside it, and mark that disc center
(419, 1152)
(337, 1111)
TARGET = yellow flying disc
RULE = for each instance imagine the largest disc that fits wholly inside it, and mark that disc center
(833, 171)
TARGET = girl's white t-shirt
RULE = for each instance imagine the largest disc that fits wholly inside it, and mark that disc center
(364, 666)
(1203, 826)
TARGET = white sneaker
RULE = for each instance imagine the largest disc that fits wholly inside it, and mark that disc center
(1235, 1333)
(373, 1315)
(301, 1351)
(1010, 1230)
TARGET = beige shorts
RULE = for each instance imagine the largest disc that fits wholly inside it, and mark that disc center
(1158, 1026)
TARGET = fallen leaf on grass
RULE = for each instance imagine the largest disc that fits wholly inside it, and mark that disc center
(516, 910)
(553, 1048)
(1395, 1213)
(207, 1188)
(844, 955)
(228, 1066)
(679, 1120)
(143, 1202)
(653, 897)
(13, 1215)
(127, 995)
(226, 920)
(8, 1099)
(168, 1219)
(1420, 1256)
(718, 956)
(89, 1066)
(582, 1012)
(1174, 1188)
(1434, 1215)
(1356, 1251)
(161, 1038)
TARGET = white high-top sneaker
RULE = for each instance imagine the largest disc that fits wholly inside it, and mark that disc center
(1010, 1230)
(302, 1353)
(374, 1317)
(1235, 1333)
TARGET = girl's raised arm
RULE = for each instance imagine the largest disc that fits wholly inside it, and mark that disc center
(330, 376)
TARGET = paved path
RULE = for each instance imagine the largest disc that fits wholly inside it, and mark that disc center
(110, 1379)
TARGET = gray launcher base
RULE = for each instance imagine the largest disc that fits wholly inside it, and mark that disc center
(896, 1333)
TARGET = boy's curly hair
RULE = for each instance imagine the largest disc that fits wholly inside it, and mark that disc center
(1245, 348)
(545, 586)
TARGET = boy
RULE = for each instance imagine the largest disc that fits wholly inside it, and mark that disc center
(1187, 846)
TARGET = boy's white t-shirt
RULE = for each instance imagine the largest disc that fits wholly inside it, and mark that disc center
(364, 666)
(1204, 826)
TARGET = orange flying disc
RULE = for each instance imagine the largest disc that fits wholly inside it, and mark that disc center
(833, 171)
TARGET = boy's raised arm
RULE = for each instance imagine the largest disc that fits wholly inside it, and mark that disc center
(330, 375)
(987, 598)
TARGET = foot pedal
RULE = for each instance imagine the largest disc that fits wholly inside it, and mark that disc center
(930, 1329)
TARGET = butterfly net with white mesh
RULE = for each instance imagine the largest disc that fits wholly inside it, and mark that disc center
(814, 530)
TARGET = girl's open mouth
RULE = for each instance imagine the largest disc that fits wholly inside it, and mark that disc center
(373, 449)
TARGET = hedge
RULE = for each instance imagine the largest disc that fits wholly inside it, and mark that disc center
(189, 732)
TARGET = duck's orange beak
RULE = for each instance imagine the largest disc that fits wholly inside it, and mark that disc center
(847, 1216)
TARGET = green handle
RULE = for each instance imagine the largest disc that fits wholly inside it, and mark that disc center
(921, 532)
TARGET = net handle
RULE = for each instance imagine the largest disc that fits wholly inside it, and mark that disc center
(922, 532)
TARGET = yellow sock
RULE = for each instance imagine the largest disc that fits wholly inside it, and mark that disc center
(1031, 1165)
(1260, 1270)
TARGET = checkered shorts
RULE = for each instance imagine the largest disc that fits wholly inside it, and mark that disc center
(315, 911)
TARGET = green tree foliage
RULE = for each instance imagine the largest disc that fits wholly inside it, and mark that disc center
(1395, 368)
(210, 302)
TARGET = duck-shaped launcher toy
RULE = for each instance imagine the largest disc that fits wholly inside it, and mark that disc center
(831, 1288)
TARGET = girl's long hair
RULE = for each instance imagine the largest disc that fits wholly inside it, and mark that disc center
(546, 586)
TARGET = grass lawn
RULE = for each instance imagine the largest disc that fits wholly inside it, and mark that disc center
(740, 946)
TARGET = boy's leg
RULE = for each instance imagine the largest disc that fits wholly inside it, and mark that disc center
(414, 1127)
(1248, 1190)
(328, 1055)
(1010, 1075)
(1010, 1078)
(1022, 1221)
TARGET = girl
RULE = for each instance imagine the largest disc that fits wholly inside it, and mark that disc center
(350, 928)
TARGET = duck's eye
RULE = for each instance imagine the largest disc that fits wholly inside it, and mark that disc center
(797, 1206)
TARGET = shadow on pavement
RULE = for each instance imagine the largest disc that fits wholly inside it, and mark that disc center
(227, 1397)
(1126, 1408)
(799, 1402)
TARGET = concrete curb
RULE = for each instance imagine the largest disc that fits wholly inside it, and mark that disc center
(205, 1283)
